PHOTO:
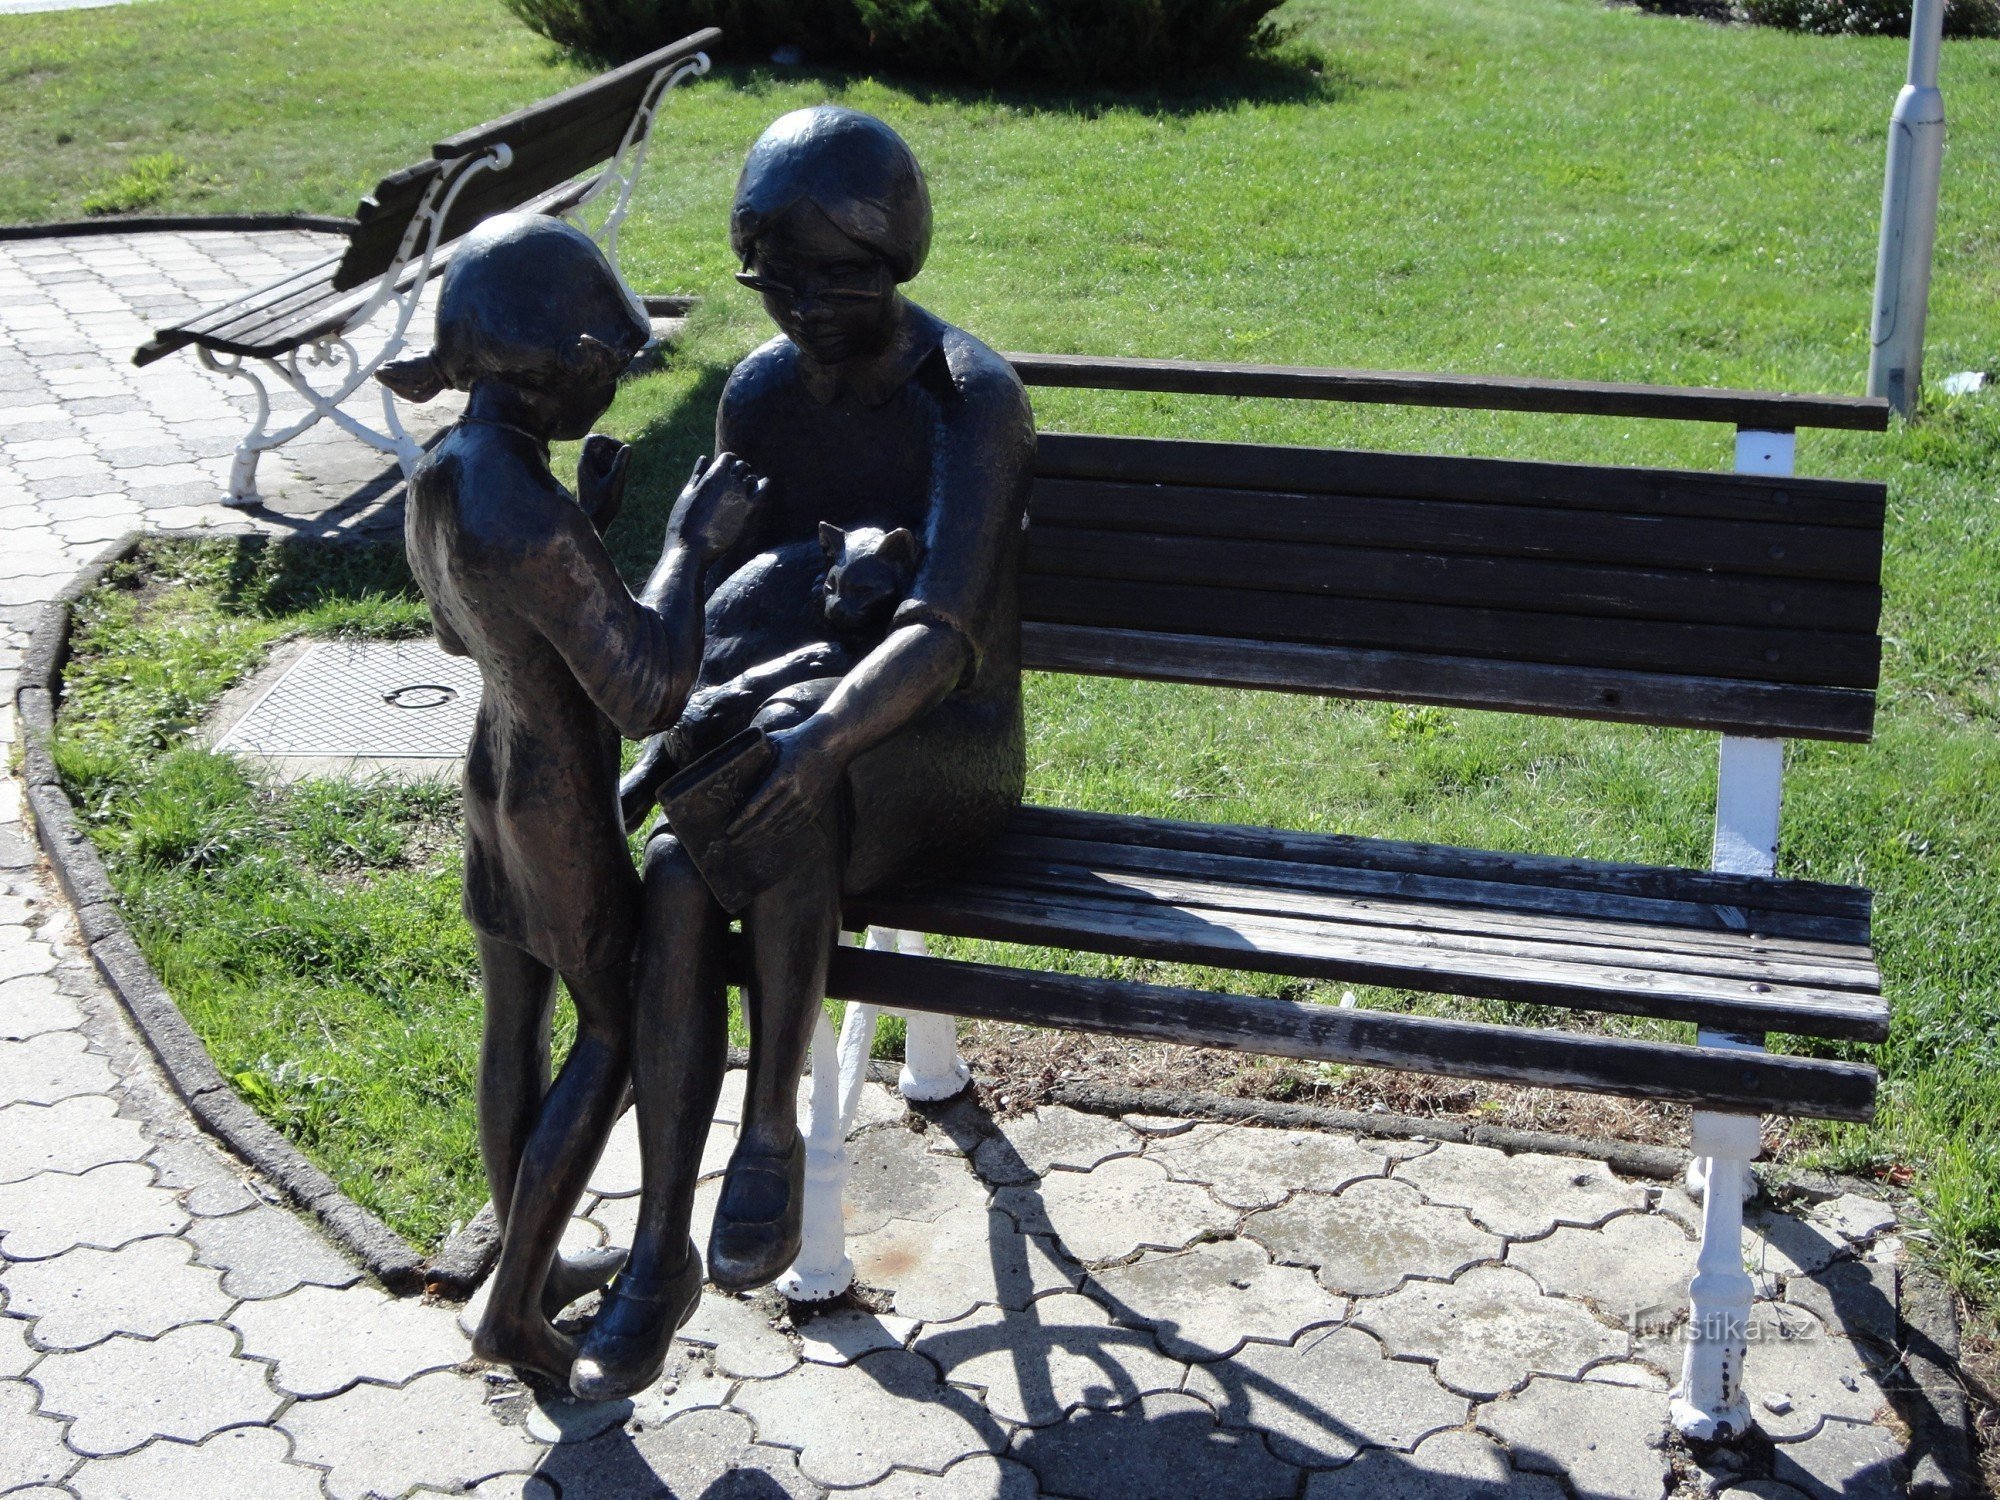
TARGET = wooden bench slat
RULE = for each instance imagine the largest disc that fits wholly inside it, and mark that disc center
(1284, 849)
(1324, 951)
(1445, 578)
(1729, 706)
(1465, 524)
(1496, 481)
(623, 86)
(1760, 409)
(1819, 658)
(380, 220)
(1699, 949)
(1751, 1082)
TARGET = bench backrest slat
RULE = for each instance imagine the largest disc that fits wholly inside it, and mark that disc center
(551, 142)
(1759, 409)
(1735, 602)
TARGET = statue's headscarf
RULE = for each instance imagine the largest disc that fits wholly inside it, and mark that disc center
(852, 168)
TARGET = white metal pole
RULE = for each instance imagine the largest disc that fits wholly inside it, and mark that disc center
(1909, 218)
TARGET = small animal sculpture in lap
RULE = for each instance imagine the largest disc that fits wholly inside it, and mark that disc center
(835, 598)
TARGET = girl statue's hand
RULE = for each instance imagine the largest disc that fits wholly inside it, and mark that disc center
(600, 477)
(717, 505)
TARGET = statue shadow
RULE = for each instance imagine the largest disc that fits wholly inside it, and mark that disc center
(662, 454)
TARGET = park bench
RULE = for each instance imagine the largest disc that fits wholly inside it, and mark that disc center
(300, 329)
(1744, 603)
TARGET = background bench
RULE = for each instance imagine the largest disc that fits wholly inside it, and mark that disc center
(299, 329)
(1745, 603)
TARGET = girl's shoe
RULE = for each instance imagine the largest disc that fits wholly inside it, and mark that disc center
(626, 1348)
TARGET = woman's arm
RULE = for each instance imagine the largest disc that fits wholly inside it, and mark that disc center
(899, 682)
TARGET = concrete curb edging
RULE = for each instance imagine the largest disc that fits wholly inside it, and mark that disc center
(174, 223)
(182, 1057)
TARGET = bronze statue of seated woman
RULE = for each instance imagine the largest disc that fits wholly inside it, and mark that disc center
(866, 412)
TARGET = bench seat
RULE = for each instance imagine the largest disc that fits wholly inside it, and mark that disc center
(1728, 953)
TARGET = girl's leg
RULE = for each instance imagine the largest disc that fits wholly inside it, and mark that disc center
(569, 1136)
(680, 1038)
(792, 928)
(513, 1061)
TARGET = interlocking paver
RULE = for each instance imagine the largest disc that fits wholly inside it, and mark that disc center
(1489, 1330)
(436, 1431)
(16, 1356)
(1371, 1237)
(252, 1463)
(1610, 1443)
(1127, 1204)
(1249, 1167)
(1853, 1297)
(107, 1207)
(744, 1341)
(1843, 1461)
(1322, 1400)
(124, 1392)
(892, 1176)
(981, 1477)
(1052, 1136)
(942, 1270)
(79, 1133)
(49, 1067)
(852, 1423)
(1161, 1447)
(1523, 1196)
(324, 1340)
(266, 1253)
(31, 1443)
(1450, 1466)
(1205, 1302)
(87, 1295)
(1034, 1366)
(701, 1453)
(1798, 1374)
(31, 1004)
(844, 1334)
(1636, 1267)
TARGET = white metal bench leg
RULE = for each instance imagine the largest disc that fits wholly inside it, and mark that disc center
(1710, 1405)
(932, 1068)
(839, 1068)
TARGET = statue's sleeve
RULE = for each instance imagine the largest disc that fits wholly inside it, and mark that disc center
(620, 650)
(982, 464)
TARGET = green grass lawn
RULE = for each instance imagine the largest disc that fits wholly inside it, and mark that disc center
(1542, 187)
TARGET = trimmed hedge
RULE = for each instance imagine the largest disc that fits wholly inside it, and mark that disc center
(1871, 17)
(1073, 43)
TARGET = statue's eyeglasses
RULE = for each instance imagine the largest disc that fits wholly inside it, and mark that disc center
(847, 289)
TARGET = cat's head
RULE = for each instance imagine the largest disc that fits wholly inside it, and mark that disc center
(869, 571)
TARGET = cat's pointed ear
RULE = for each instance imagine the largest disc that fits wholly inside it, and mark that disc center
(832, 541)
(899, 547)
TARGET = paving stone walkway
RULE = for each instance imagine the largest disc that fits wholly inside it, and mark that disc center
(1060, 1304)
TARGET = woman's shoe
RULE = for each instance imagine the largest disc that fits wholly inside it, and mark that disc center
(756, 1232)
(626, 1348)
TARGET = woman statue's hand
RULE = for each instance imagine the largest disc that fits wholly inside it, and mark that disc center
(717, 505)
(797, 790)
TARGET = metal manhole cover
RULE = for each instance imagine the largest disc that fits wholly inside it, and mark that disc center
(387, 700)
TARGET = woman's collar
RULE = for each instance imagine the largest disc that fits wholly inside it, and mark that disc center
(875, 382)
